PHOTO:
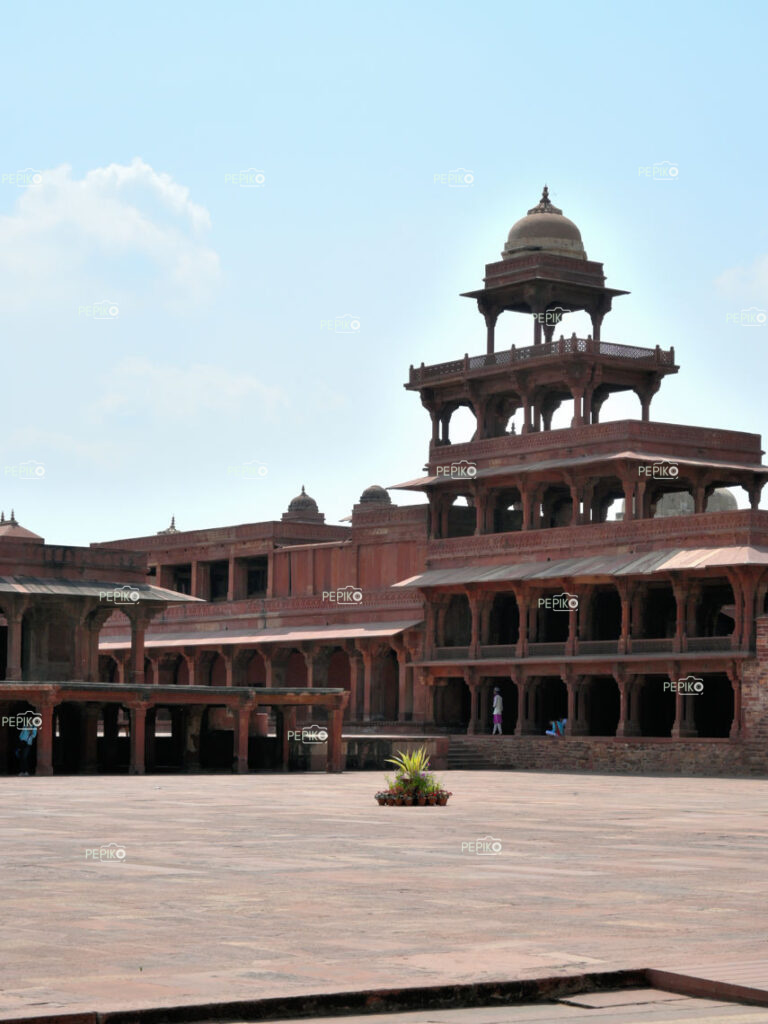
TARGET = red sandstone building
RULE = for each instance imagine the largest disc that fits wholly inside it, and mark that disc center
(512, 574)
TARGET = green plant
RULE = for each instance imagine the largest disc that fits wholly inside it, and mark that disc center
(410, 764)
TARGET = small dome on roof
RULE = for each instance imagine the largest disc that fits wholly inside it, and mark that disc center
(303, 508)
(303, 503)
(375, 495)
(544, 228)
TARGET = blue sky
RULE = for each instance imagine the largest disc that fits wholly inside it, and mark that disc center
(212, 349)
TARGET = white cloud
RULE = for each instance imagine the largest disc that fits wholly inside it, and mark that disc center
(119, 230)
(173, 392)
(746, 282)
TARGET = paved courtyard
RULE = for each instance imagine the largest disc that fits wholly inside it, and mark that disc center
(236, 887)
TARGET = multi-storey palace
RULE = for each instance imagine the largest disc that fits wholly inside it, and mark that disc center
(601, 573)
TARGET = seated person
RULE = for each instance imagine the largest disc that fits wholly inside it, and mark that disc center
(558, 727)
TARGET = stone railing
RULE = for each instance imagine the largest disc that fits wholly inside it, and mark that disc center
(534, 353)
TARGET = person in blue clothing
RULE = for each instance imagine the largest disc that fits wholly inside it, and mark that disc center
(26, 739)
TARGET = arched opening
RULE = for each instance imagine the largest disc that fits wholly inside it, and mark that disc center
(715, 610)
(658, 614)
(452, 705)
(457, 627)
(550, 701)
(180, 672)
(604, 706)
(256, 670)
(504, 623)
(507, 511)
(217, 671)
(384, 692)
(657, 707)
(606, 614)
(552, 616)
(509, 703)
(713, 707)
(556, 507)
(340, 674)
(461, 517)
(461, 424)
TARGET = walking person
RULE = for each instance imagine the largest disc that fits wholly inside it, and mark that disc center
(498, 708)
(26, 739)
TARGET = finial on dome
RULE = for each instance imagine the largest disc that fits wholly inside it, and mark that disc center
(171, 528)
(12, 520)
(545, 195)
(2, 518)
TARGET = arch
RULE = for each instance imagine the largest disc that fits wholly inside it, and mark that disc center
(217, 671)
(452, 705)
(657, 707)
(606, 614)
(504, 622)
(658, 613)
(551, 623)
(295, 669)
(550, 701)
(604, 706)
(507, 511)
(715, 609)
(713, 708)
(457, 623)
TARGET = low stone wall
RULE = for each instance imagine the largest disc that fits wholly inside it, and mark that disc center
(626, 755)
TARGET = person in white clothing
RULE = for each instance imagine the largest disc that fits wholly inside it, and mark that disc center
(498, 708)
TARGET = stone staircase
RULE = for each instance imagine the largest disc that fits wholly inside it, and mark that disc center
(477, 753)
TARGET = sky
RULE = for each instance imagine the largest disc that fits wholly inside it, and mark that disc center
(227, 230)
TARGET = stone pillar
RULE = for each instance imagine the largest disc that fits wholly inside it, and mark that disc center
(484, 716)
(285, 722)
(684, 724)
(578, 704)
(523, 607)
(335, 749)
(526, 711)
(242, 731)
(90, 739)
(735, 679)
(45, 739)
(473, 687)
(402, 684)
(138, 738)
(192, 728)
(681, 637)
(368, 669)
(13, 659)
(138, 629)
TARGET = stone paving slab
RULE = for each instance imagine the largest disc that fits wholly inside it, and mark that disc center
(245, 887)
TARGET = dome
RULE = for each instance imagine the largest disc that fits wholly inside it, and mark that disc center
(375, 495)
(545, 229)
(303, 503)
(303, 509)
(680, 503)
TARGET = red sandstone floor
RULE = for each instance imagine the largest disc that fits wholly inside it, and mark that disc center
(239, 887)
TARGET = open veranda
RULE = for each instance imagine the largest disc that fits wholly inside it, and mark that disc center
(161, 890)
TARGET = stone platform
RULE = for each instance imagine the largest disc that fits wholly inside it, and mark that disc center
(258, 886)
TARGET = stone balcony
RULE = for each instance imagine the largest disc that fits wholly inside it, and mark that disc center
(478, 366)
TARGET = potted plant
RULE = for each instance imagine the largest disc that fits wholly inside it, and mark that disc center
(413, 783)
